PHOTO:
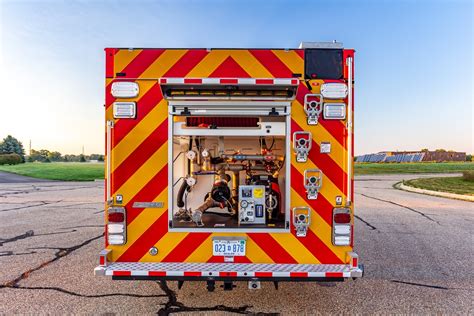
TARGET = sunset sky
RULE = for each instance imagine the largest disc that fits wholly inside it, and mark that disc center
(414, 61)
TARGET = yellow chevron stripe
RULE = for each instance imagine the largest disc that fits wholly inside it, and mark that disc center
(145, 173)
(256, 254)
(202, 253)
(163, 63)
(140, 224)
(208, 64)
(250, 64)
(296, 249)
(328, 189)
(320, 228)
(123, 58)
(165, 245)
(320, 134)
(291, 59)
(243, 57)
(253, 252)
(139, 133)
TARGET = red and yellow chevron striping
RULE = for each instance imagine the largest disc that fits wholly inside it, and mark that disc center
(140, 158)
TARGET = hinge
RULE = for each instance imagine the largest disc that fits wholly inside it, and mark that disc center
(186, 111)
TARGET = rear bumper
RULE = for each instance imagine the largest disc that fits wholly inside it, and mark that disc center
(228, 271)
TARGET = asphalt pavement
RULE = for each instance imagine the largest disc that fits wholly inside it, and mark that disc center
(7, 177)
(417, 251)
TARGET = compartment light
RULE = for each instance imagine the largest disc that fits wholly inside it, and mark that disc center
(334, 90)
(125, 89)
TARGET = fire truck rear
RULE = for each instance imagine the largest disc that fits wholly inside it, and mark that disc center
(229, 165)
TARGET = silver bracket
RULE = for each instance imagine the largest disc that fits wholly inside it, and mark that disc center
(302, 145)
(313, 180)
(313, 106)
(301, 220)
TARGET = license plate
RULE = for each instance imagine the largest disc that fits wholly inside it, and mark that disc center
(228, 248)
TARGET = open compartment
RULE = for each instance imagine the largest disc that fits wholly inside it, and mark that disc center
(229, 172)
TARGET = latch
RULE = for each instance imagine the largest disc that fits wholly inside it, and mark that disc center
(313, 106)
(301, 220)
(313, 179)
(302, 145)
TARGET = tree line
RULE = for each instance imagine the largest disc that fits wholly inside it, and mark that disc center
(12, 152)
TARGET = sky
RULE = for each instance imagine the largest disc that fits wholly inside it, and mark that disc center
(414, 61)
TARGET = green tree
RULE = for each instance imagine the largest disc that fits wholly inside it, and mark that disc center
(82, 158)
(11, 145)
(54, 156)
(41, 155)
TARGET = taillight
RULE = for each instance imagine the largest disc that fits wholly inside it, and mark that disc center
(116, 217)
(342, 218)
(117, 226)
(341, 227)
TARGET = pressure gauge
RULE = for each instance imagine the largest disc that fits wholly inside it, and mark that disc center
(191, 154)
(244, 204)
(205, 153)
(191, 181)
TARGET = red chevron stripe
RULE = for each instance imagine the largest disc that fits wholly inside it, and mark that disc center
(300, 53)
(141, 62)
(272, 63)
(321, 205)
(140, 155)
(109, 62)
(109, 99)
(329, 167)
(144, 105)
(186, 63)
(317, 247)
(272, 248)
(186, 247)
(334, 127)
(148, 193)
(143, 244)
(229, 68)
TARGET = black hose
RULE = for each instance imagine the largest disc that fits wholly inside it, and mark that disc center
(183, 188)
(187, 160)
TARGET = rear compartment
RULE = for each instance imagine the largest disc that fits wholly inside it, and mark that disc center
(229, 165)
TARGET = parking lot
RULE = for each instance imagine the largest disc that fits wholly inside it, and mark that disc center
(417, 251)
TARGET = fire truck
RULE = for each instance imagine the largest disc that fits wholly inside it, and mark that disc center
(227, 165)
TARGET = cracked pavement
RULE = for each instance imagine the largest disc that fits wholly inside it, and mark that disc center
(417, 252)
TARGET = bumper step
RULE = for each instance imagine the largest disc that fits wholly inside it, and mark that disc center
(227, 270)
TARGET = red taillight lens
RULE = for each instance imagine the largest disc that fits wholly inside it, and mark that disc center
(342, 218)
(116, 217)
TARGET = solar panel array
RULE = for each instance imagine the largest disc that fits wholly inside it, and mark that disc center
(383, 157)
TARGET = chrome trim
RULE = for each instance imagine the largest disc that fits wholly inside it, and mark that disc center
(110, 125)
(349, 133)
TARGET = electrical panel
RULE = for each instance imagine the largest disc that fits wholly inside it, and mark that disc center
(252, 204)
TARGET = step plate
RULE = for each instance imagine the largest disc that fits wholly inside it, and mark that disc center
(244, 270)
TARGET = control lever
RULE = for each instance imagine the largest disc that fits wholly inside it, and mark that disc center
(302, 145)
(301, 220)
(313, 179)
(313, 106)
